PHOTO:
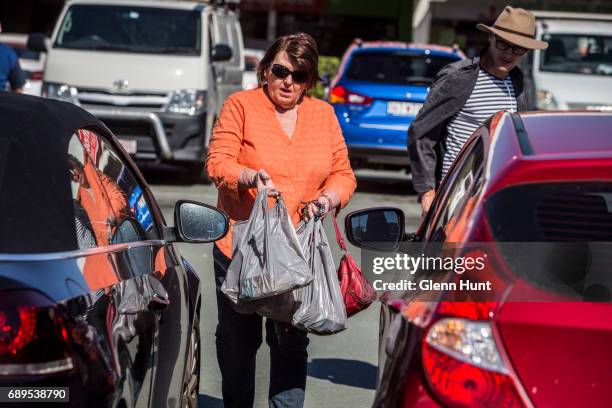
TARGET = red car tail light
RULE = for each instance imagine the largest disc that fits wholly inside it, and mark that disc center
(340, 94)
(463, 365)
(33, 335)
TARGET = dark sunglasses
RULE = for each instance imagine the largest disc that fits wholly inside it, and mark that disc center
(504, 46)
(282, 72)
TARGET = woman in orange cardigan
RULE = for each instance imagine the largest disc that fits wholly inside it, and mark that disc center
(279, 139)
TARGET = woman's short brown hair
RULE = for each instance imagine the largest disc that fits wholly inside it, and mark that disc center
(302, 51)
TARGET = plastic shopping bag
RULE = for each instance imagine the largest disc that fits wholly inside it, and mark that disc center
(268, 259)
(320, 308)
(280, 307)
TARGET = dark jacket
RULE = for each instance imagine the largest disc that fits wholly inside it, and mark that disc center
(447, 95)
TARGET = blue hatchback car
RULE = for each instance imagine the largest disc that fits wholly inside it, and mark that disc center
(377, 92)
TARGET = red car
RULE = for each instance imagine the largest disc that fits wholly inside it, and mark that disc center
(536, 178)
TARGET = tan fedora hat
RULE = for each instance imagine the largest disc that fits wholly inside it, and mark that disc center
(516, 26)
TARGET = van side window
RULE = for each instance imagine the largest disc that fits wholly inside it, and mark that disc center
(210, 33)
(236, 36)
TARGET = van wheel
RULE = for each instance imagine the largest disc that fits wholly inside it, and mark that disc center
(191, 385)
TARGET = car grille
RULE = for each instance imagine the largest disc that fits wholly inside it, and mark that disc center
(101, 97)
(574, 217)
(130, 128)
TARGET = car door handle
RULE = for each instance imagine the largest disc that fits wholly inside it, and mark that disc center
(159, 302)
(158, 297)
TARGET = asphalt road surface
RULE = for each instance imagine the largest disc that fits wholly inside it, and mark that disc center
(342, 368)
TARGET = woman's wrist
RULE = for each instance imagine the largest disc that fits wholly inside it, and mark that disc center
(247, 179)
(332, 198)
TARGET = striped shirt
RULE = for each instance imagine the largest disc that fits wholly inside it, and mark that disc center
(490, 95)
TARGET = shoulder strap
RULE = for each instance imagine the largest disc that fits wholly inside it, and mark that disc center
(339, 238)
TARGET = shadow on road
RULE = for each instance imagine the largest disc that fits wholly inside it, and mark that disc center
(206, 401)
(384, 184)
(347, 372)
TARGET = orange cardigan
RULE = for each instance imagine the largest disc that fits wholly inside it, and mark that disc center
(248, 135)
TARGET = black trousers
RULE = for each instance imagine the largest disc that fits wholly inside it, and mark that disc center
(238, 338)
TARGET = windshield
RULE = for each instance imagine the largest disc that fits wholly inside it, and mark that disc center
(396, 67)
(130, 29)
(577, 54)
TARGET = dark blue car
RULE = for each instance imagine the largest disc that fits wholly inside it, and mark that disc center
(378, 91)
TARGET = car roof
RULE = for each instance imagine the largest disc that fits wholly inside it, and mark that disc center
(398, 45)
(34, 177)
(569, 133)
(539, 146)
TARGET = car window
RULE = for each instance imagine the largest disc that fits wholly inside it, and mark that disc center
(221, 30)
(94, 213)
(211, 34)
(397, 67)
(577, 54)
(123, 190)
(130, 29)
(235, 34)
(460, 185)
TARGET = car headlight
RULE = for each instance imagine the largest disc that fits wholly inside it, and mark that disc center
(546, 100)
(187, 102)
(62, 92)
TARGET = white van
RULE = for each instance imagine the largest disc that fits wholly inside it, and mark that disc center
(155, 71)
(575, 72)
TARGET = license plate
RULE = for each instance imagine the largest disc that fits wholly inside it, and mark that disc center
(130, 146)
(403, 108)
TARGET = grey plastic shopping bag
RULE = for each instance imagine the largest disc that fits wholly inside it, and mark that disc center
(268, 259)
(280, 307)
(320, 308)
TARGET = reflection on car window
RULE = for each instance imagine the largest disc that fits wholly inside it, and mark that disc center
(96, 214)
(463, 179)
(124, 184)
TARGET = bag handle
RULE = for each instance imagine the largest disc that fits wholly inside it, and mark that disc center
(339, 238)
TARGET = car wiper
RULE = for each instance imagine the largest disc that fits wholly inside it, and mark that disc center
(174, 50)
(100, 47)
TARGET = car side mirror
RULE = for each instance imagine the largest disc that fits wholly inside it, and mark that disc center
(199, 223)
(379, 229)
(37, 42)
(220, 52)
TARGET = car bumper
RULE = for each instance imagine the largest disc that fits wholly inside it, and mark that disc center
(382, 155)
(376, 143)
(159, 136)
